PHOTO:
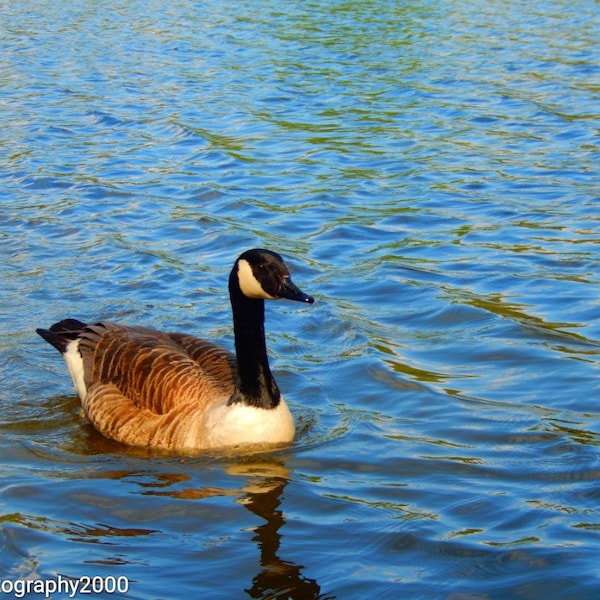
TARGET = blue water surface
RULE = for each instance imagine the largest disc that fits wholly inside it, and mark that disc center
(429, 170)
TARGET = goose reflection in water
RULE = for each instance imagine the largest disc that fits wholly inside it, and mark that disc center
(261, 495)
(279, 578)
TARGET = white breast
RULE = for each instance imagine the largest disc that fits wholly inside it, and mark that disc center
(241, 424)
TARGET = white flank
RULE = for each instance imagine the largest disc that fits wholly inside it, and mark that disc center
(249, 285)
(75, 365)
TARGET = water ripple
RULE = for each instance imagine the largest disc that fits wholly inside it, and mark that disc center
(429, 170)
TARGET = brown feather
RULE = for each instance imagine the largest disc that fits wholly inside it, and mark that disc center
(119, 418)
(150, 388)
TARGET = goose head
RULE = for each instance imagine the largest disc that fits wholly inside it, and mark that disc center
(262, 275)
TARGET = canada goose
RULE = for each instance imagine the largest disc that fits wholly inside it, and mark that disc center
(144, 387)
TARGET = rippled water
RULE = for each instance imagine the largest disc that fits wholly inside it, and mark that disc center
(430, 171)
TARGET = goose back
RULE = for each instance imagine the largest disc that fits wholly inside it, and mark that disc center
(144, 387)
(157, 371)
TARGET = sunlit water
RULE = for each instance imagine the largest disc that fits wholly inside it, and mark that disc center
(430, 171)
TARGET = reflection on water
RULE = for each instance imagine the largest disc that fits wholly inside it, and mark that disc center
(259, 486)
(78, 533)
(261, 494)
(278, 578)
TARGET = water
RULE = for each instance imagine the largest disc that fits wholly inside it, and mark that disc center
(430, 171)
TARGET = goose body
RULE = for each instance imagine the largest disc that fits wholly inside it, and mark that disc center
(145, 387)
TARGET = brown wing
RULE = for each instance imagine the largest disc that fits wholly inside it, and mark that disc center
(155, 371)
(215, 361)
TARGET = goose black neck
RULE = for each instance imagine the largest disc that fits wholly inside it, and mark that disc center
(255, 385)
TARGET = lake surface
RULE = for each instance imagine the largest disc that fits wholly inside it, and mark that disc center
(430, 171)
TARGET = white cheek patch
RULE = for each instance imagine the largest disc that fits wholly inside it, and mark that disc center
(249, 285)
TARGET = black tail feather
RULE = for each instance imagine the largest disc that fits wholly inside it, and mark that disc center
(61, 333)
